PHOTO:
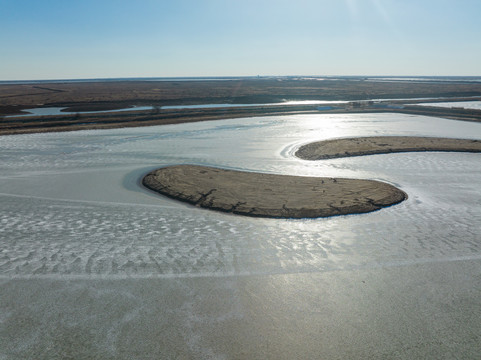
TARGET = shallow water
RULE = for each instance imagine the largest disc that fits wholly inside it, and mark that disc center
(72, 204)
(93, 266)
(58, 110)
(286, 103)
(457, 104)
(51, 111)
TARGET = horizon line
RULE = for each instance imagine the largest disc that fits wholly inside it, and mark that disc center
(234, 77)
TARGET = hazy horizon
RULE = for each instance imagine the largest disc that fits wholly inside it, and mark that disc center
(212, 38)
(414, 78)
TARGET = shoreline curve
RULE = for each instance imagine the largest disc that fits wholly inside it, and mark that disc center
(286, 196)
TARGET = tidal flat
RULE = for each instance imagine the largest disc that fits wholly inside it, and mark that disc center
(95, 266)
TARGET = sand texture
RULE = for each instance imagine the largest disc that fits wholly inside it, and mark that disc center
(269, 195)
(337, 148)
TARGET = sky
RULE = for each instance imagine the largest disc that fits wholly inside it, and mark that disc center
(70, 39)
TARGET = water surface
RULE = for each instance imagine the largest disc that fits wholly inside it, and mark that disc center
(455, 104)
(47, 111)
(93, 266)
(72, 204)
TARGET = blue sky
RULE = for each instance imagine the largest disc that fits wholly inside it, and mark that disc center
(53, 39)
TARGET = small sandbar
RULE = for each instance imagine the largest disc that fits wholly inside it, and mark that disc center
(270, 195)
(337, 148)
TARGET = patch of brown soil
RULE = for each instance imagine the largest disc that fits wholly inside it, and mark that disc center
(270, 195)
(337, 148)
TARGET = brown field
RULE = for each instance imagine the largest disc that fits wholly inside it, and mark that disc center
(120, 93)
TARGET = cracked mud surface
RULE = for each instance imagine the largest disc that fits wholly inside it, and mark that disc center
(337, 148)
(269, 195)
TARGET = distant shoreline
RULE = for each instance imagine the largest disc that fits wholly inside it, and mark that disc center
(83, 96)
(391, 78)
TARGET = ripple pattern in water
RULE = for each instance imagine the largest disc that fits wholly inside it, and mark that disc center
(71, 204)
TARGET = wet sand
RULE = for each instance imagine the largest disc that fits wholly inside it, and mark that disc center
(415, 311)
(270, 195)
(338, 148)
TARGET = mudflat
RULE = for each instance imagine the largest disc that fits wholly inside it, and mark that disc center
(337, 148)
(271, 195)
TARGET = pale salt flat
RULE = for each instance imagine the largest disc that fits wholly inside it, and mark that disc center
(92, 259)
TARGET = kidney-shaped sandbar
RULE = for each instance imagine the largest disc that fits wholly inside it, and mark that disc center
(270, 195)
